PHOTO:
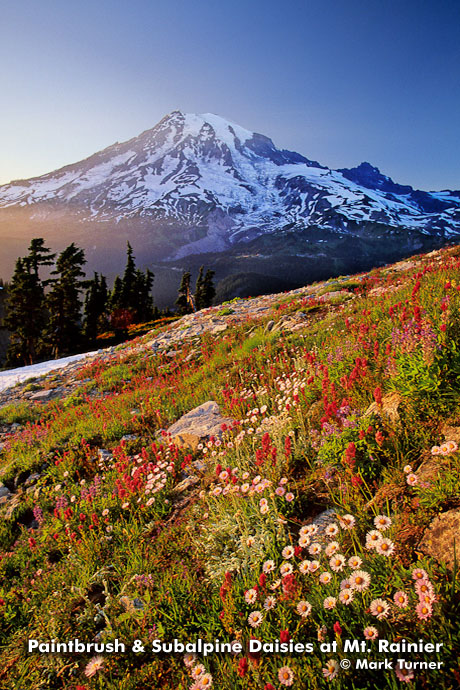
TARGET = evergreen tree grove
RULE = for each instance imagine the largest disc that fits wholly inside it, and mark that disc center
(95, 307)
(63, 301)
(204, 290)
(184, 302)
(131, 300)
(25, 314)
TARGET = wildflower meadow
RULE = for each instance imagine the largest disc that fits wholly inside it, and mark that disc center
(322, 510)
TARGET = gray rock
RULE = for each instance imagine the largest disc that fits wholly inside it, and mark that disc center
(186, 484)
(198, 425)
(269, 326)
(4, 491)
(43, 395)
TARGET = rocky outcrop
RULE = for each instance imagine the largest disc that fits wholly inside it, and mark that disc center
(199, 425)
(442, 536)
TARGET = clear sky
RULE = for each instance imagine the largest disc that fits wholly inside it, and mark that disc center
(340, 81)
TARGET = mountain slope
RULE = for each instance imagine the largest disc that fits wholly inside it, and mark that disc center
(294, 477)
(198, 184)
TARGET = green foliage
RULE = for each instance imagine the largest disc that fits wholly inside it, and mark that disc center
(63, 301)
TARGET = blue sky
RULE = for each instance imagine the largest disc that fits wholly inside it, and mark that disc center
(340, 81)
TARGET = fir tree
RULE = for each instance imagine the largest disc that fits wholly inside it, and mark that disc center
(25, 314)
(94, 307)
(185, 303)
(63, 301)
(130, 295)
(209, 291)
(144, 300)
(115, 299)
(39, 255)
(129, 281)
(199, 296)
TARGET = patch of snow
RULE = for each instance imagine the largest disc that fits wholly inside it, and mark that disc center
(13, 376)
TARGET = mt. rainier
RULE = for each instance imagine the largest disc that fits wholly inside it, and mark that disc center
(197, 184)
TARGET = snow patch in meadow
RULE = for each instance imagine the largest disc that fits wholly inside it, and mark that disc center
(13, 376)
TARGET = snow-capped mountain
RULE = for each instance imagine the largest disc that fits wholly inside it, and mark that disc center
(197, 184)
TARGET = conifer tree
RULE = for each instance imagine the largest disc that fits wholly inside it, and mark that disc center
(39, 255)
(130, 299)
(199, 296)
(129, 281)
(63, 301)
(209, 291)
(185, 303)
(25, 314)
(95, 306)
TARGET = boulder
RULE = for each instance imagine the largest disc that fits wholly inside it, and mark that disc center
(4, 491)
(388, 408)
(198, 425)
(439, 538)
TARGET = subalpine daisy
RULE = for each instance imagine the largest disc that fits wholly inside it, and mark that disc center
(404, 674)
(354, 562)
(314, 566)
(424, 587)
(304, 541)
(270, 603)
(268, 566)
(360, 580)
(250, 541)
(337, 562)
(303, 608)
(407, 469)
(385, 547)
(423, 611)
(382, 522)
(264, 509)
(250, 596)
(448, 447)
(308, 530)
(401, 600)
(325, 578)
(304, 567)
(286, 569)
(345, 583)
(287, 552)
(379, 608)
(329, 603)
(331, 530)
(314, 549)
(189, 659)
(286, 676)
(419, 574)
(371, 633)
(372, 538)
(197, 671)
(255, 619)
(347, 521)
(205, 681)
(411, 479)
(331, 669)
(280, 491)
(331, 548)
(346, 596)
(93, 666)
